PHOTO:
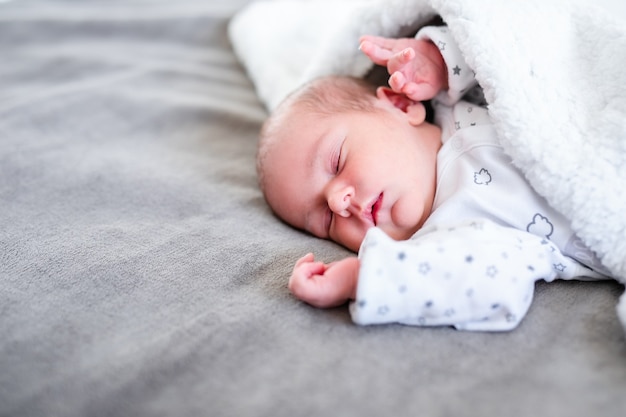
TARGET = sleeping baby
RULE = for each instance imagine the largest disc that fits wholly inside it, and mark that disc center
(448, 231)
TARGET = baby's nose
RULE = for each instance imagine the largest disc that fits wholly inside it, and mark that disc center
(340, 200)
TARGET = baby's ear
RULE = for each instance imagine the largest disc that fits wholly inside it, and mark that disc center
(414, 110)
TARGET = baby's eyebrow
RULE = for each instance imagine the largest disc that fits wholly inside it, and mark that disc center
(321, 148)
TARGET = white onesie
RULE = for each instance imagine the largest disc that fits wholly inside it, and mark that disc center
(490, 236)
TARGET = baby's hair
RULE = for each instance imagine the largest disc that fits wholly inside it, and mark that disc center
(322, 97)
(335, 94)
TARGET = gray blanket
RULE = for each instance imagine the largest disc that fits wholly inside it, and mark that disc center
(142, 274)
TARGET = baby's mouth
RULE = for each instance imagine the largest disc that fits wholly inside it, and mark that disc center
(375, 208)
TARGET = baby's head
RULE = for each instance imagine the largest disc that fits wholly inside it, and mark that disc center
(339, 156)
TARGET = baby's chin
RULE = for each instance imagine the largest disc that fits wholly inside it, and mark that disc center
(353, 244)
(354, 247)
(396, 234)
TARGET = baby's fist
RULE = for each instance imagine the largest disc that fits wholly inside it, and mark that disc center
(324, 285)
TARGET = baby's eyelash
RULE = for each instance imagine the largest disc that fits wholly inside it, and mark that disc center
(338, 159)
(329, 219)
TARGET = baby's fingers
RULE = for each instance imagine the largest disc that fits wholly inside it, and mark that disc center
(314, 268)
(306, 267)
(378, 55)
(419, 91)
(306, 258)
(397, 81)
(381, 42)
(304, 280)
(402, 58)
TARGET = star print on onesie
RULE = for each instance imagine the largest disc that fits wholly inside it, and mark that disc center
(475, 276)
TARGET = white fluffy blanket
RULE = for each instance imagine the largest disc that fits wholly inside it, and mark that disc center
(553, 73)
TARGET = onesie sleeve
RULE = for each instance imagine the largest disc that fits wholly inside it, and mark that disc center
(473, 276)
(461, 78)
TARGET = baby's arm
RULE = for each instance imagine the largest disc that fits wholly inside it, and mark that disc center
(416, 66)
(324, 285)
(476, 275)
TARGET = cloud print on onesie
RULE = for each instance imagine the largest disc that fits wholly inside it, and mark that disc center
(540, 226)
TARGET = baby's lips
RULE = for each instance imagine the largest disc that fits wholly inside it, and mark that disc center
(375, 207)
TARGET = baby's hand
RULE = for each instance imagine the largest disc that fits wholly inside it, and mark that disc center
(324, 285)
(416, 67)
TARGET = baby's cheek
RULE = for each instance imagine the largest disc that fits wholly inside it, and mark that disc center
(406, 218)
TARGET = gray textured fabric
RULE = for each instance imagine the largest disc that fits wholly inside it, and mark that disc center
(141, 273)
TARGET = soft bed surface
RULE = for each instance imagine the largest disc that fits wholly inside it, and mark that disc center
(142, 274)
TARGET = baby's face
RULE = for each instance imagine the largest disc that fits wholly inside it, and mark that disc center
(337, 176)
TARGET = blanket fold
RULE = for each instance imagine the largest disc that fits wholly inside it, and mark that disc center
(552, 72)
